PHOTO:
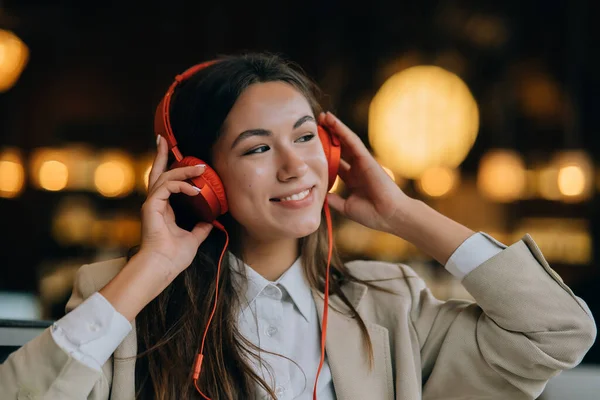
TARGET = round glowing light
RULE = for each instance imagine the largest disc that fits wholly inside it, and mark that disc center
(502, 176)
(437, 181)
(12, 177)
(12, 173)
(420, 118)
(53, 175)
(575, 178)
(114, 177)
(571, 180)
(13, 58)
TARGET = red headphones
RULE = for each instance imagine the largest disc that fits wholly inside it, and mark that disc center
(211, 202)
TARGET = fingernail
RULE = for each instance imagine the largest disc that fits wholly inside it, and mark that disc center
(197, 188)
(200, 165)
(157, 140)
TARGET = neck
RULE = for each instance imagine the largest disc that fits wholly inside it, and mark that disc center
(270, 259)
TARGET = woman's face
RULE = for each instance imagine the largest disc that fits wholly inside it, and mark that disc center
(272, 164)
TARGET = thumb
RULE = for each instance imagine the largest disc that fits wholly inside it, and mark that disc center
(337, 203)
(201, 231)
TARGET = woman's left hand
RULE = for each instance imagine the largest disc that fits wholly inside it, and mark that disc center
(375, 200)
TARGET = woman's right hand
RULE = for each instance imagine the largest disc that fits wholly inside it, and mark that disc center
(161, 236)
(166, 249)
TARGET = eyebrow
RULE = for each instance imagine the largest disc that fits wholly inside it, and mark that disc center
(264, 132)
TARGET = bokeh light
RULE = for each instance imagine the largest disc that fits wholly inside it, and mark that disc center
(337, 185)
(14, 55)
(502, 175)
(420, 118)
(12, 173)
(53, 175)
(575, 177)
(571, 180)
(114, 175)
(438, 181)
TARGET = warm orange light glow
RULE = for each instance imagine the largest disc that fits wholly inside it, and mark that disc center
(73, 221)
(422, 117)
(389, 172)
(571, 180)
(548, 183)
(437, 181)
(143, 166)
(575, 178)
(115, 175)
(336, 185)
(13, 58)
(147, 176)
(502, 175)
(12, 174)
(53, 175)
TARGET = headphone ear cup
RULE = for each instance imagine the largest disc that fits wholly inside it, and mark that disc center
(214, 182)
(211, 202)
(332, 147)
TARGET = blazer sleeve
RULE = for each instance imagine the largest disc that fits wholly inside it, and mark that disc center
(43, 370)
(524, 328)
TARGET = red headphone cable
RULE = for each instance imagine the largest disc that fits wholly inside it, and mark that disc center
(200, 356)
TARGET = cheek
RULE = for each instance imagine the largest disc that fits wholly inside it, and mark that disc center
(244, 188)
(319, 163)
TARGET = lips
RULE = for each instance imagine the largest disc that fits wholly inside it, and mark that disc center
(295, 196)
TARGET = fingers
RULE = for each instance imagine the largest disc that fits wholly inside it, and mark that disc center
(337, 203)
(352, 145)
(345, 174)
(164, 191)
(344, 167)
(159, 165)
(179, 174)
(201, 231)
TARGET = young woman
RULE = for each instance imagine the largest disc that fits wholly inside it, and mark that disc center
(135, 325)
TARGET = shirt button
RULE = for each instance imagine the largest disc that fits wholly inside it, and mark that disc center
(273, 292)
(272, 331)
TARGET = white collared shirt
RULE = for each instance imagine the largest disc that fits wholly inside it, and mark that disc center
(279, 317)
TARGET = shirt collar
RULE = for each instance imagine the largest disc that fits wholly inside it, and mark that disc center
(292, 280)
(296, 284)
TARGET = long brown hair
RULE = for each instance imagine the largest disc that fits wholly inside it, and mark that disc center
(170, 327)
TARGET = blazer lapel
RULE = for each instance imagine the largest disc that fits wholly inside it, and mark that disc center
(346, 353)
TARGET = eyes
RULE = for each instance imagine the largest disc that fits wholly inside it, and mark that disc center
(264, 148)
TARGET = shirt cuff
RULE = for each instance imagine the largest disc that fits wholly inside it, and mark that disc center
(91, 332)
(473, 252)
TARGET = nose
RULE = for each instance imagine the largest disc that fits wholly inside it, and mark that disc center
(291, 165)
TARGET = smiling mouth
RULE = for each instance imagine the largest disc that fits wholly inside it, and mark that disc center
(294, 197)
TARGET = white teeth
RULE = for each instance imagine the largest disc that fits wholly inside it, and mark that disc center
(296, 197)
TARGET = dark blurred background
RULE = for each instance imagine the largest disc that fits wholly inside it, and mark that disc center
(76, 134)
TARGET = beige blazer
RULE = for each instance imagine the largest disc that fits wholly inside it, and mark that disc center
(526, 327)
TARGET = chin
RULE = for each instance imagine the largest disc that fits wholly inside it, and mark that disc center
(304, 228)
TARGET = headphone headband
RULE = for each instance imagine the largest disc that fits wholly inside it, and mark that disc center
(162, 121)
